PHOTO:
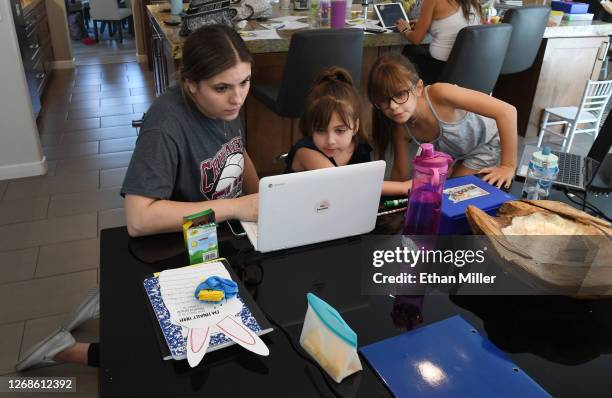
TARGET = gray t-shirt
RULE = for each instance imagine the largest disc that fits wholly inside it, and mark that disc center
(184, 156)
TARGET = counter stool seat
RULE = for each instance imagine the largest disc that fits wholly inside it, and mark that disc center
(477, 57)
(267, 94)
(311, 51)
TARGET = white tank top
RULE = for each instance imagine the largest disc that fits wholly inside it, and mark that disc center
(444, 31)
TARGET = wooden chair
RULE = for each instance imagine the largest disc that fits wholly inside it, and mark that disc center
(594, 99)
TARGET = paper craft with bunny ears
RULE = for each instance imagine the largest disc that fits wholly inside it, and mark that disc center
(202, 319)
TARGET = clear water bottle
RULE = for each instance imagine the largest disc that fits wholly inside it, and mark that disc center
(542, 171)
(313, 13)
(364, 10)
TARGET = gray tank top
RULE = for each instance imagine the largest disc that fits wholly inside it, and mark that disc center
(465, 138)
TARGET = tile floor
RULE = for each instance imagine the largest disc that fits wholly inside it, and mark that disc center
(49, 225)
(106, 51)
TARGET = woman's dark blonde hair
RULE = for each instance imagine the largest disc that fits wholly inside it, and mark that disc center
(333, 91)
(210, 50)
(467, 6)
(389, 75)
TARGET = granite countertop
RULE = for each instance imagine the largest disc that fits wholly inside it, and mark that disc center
(160, 13)
(579, 29)
(175, 41)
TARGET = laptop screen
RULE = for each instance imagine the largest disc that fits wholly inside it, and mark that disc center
(389, 13)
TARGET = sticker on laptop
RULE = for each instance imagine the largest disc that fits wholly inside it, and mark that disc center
(464, 192)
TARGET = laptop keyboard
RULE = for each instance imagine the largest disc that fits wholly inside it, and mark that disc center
(251, 229)
(569, 168)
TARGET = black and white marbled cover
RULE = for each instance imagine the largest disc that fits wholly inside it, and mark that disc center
(173, 333)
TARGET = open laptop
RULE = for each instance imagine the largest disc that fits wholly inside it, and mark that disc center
(315, 206)
(575, 171)
(389, 13)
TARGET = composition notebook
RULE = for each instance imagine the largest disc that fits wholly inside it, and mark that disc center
(173, 338)
(448, 359)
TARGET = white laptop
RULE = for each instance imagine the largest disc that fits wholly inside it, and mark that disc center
(316, 206)
(389, 13)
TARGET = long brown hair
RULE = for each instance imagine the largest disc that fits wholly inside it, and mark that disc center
(333, 91)
(389, 75)
(210, 50)
(467, 6)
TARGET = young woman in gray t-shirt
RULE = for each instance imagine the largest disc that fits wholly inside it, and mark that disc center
(189, 157)
(190, 153)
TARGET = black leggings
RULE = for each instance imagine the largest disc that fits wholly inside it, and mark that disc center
(428, 67)
(93, 355)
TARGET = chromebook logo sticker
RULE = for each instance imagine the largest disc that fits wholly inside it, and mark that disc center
(322, 206)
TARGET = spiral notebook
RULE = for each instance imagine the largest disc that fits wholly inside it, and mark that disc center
(172, 337)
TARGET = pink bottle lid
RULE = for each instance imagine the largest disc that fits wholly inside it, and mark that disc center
(433, 162)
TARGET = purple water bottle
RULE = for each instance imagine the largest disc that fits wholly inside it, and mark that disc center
(338, 11)
(429, 174)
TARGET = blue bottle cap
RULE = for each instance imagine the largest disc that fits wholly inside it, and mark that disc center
(546, 150)
(332, 319)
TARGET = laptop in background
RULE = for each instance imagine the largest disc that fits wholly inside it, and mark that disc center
(575, 171)
(315, 206)
(389, 13)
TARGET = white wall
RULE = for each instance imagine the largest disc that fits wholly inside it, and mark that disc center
(20, 151)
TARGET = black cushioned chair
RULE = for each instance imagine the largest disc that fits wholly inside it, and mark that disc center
(477, 57)
(309, 52)
(528, 25)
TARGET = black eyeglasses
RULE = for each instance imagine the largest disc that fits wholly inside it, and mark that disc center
(398, 98)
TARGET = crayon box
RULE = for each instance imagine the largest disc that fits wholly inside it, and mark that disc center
(200, 234)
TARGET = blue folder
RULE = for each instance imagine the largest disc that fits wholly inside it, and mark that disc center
(453, 220)
(448, 359)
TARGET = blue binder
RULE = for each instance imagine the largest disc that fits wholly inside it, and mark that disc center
(448, 359)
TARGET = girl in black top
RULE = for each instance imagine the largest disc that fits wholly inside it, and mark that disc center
(330, 124)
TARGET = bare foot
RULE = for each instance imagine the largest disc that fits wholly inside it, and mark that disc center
(76, 353)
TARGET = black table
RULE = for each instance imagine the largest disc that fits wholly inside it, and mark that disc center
(564, 344)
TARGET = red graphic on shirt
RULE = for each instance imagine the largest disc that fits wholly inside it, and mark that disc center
(221, 175)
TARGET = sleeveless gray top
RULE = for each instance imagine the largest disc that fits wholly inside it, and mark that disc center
(474, 139)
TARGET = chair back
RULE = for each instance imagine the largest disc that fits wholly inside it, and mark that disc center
(528, 25)
(595, 97)
(311, 51)
(102, 10)
(477, 57)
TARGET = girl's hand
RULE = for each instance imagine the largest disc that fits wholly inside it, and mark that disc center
(407, 186)
(499, 175)
(402, 25)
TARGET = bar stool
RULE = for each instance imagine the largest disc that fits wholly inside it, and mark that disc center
(309, 52)
(528, 25)
(477, 57)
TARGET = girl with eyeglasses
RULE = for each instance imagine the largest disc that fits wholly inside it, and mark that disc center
(477, 130)
(332, 132)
